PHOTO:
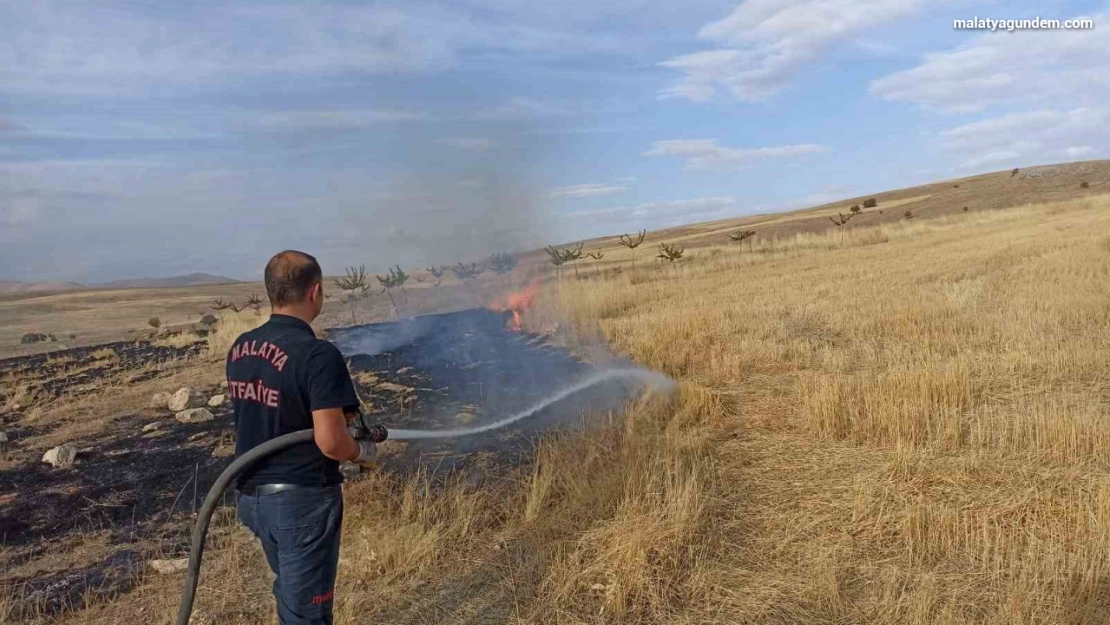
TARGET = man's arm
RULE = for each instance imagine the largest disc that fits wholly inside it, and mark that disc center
(332, 435)
(331, 394)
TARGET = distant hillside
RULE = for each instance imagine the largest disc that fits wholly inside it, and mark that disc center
(992, 191)
(192, 279)
(14, 287)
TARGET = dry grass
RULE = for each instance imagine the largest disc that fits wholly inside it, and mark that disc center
(230, 326)
(898, 424)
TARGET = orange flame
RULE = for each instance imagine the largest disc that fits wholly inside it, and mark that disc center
(516, 303)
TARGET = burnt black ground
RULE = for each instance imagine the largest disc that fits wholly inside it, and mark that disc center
(465, 369)
(53, 373)
(420, 373)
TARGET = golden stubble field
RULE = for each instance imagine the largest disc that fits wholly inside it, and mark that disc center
(903, 423)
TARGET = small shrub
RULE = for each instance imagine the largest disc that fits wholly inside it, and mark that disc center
(966, 209)
(870, 203)
(154, 322)
(908, 215)
(1084, 185)
(33, 337)
(72, 336)
(855, 208)
(1014, 172)
(208, 321)
(955, 186)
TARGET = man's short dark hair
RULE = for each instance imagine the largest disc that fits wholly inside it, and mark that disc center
(289, 277)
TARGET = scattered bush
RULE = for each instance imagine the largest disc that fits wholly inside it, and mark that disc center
(870, 203)
(908, 215)
(154, 322)
(955, 186)
(855, 209)
(208, 321)
(33, 337)
(1014, 172)
(966, 209)
(1084, 185)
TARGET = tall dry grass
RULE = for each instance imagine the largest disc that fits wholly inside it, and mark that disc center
(230, 326)
(898, 424)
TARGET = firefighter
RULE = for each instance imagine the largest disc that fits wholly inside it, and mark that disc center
(282, 379)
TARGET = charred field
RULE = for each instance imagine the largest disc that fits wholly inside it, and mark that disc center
(132, 493)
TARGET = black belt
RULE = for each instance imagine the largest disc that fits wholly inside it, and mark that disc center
(270, 489)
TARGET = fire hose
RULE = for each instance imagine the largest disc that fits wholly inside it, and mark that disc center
(374, 433)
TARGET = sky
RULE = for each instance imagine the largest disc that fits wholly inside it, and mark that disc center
(144, 138)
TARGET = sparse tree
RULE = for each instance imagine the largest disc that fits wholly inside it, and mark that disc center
(670, 253)
(1014, 172)
(556, 259)
(354, 280)
(842, 219)
(437, 273)
(154, 322)
(870, 203)
(855, 209)
(597, 256)
(502, 263)
(255, 302)
(742, 235)
(467, 273)
(220, 306)
(395, 278)
(633, 243)
(235, 308)
(573, 255)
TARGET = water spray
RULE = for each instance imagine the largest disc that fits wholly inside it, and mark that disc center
(376, 433)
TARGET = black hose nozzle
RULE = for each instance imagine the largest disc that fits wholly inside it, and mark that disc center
(376, 433)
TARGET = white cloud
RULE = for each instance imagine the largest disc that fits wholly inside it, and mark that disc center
(19, 211)
(9, 125)
(707, 154)
(521, 107)
(50, 48)
(329, 119)
(468, 143)
(585, 190)
(1028, 137)
(765, 43)
(1007, 67)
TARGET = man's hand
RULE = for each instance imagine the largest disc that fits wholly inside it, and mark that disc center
(367, 451)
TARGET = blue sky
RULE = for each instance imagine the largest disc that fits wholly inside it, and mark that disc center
(149, 138)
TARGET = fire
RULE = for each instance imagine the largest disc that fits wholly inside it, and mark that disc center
(516, 303)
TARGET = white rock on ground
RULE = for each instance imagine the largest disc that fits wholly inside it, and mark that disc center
(160, 400)
(223, 384)
(3, 436)
(194, 415)
(150, 427)
(186, 398)
(216, 400)
(168, 567)
(61, 456)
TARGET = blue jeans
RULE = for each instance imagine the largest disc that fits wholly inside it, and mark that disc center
(299, 530)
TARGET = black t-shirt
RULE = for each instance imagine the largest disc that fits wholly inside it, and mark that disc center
(277, 375)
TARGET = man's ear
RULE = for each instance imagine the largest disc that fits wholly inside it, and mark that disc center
(317, 292)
